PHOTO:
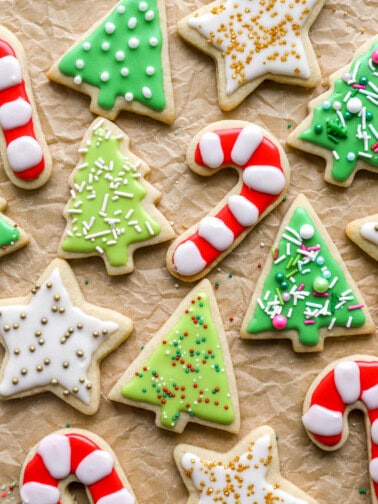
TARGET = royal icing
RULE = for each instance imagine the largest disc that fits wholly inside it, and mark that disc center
(257, 38)
(345, 121)
(107, 211)
(122, 57)
(186, 372)
(369, 230)
(246, 478)
(72, 453)
(349, 383)
(305, 288)
(24, 150)
(263, 181)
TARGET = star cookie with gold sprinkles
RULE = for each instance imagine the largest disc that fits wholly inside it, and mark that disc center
(54, 341)
(254, 40)
(247, 474)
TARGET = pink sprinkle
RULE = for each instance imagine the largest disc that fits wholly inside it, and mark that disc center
(4, 494)
(301, 287)
(358, 86)
(320, 294)
(317, 247)
(309, 322)
(303, 246)
(355, 307)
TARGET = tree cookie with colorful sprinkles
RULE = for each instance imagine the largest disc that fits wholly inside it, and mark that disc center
(364, 233)
(305, 292)
(12, 237)
(247, 474)
(73, 455)
(26, 157)
(252, 41)
(112, 209)
(54, 341)
(185, 374)
(122, 62)
(342, 124)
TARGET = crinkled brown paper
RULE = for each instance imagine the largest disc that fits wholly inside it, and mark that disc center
(272, 379)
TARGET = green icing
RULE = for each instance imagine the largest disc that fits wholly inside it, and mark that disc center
(109, 60)
(8, 233)
(320, 269)
(106, 213)
(186, 372)
(349, 135)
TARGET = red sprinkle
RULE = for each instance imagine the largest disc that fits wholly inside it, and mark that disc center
(275, 255)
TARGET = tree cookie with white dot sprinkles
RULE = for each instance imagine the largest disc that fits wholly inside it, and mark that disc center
(112, 209)
(122, 62)
(342, 124)
(73, 455)
(252, 41)
(12, 236)
(26, 157)
(54, 341)
(185, 374)
(247, 474)
(305, 292)
(364, 233)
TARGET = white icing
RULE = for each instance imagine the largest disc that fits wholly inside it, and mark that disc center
(120, 497)
(187, 259)
(24, 153)
(373, 468)
(58, 324)
(94, 467)
(211, 149)
(264, 178)
(370, 397)
(38, 493)
(347, 381)
(216, 232)
(15, 113)
(10, 72)
(307, 231)
(250, 472)
(245, 212)
(368, 231)
(275, 58)
(323, 421)
(55, 451)
(246, 143)
(374, 432)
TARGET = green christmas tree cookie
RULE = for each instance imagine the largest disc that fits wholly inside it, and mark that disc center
(305, 293)
(122, 63)
(112, 209)
(185, 372)
(12, 237)
(342, 125)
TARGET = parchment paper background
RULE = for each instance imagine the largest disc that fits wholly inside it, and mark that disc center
(272, 379)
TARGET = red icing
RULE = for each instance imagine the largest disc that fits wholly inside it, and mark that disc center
(11, 94)
(81, 446)
(266, 154)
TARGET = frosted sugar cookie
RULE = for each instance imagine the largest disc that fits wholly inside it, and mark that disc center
(364, 233)
(12, 237)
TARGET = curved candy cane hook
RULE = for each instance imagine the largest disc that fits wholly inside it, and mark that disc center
(263, 180)
(73, 455)
(350, 383)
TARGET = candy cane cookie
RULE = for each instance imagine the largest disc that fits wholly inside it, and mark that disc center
(344, 385)
(25, 155)
(72, 455)
(264, 174)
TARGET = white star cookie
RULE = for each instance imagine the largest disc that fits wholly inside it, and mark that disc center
(253, 40)
(54, 341)
(249, 473)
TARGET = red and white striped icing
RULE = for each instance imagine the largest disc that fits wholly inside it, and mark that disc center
(59, 456)
(23, 149)
(350, 383)
(263, 181)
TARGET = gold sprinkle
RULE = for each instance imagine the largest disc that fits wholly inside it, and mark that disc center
(104, 332)
(41, 341)
(66, 393)
(80, 325)
(39, 368)
(80, 353)
(24, 371)
(56, 297)
(6, 328)
(23, 316)
(38, 334)
(16, 351)
(47, 361)
(96, 334)
(75, 390)
(32, 348)
(89, 386)
(62, 309)
(16, 325)
(54, 381)
(44, 320)
(66, 365)
(82, 380)
(71, 330)
(63, 340)
(49, 285)
(15, 381)
(54, 308)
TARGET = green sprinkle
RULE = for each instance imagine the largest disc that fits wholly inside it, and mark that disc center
(290, 263)
(68, 425)
(217, 283)
(142, 347)
(86, 282)
(279, 296)
(289, 125)
(284, 198)
(292, 273)
(230, 275)
(362, 491)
